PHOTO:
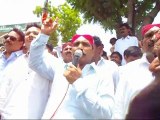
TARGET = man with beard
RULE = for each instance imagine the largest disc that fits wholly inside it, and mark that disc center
(135, 76)
(146, 105)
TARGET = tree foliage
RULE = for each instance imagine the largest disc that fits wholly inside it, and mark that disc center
(109, 13)
(69, 21)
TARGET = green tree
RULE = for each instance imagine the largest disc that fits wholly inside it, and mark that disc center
(69, 21)
(109, 13)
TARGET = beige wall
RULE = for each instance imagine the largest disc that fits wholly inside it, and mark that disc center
(1, 38)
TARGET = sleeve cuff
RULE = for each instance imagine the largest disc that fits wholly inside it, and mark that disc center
(43, 38)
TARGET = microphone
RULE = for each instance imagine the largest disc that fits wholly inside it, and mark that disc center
(77, 55)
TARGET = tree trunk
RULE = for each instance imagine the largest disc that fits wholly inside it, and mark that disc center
(131, 15)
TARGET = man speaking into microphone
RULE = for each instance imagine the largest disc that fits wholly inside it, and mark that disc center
(81, 91)
(90, 92)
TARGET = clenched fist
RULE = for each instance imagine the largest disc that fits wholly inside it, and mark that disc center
(72, 73)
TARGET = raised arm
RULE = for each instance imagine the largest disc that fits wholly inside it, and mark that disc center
(40, 61)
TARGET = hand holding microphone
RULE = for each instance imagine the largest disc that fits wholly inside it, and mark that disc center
(73, 72)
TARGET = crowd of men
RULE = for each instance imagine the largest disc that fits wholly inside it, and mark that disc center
(35, 83)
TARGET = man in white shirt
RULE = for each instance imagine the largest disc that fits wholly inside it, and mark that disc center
(13, 44)
(66, 52)
(134, 76)
(77, 92)
(105, 65)
(126, 41)
(25, 93)
(146, 104)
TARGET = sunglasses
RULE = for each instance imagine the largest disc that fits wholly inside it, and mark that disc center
(12, 38)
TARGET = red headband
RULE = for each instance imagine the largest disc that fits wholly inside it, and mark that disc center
(149, 27)
(66, 44)
(87, 37)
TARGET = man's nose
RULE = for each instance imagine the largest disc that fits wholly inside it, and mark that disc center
(7, 40)
(30, 36)
(80, 46)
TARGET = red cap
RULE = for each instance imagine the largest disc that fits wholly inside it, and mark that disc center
(86, 36)
(149, 27)
(66, 44)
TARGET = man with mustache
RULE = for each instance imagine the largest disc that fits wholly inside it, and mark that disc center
(146, 105)
(26, 92)
(125, 41)
(78, 92)
(67, 52)
(13, 43)
(135, 76)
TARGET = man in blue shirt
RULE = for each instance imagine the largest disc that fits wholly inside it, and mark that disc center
(13, 43)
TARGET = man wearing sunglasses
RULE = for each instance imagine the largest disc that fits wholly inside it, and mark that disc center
(28, 92)
(13, 43)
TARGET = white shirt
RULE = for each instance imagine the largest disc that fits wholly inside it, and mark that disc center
(109, 66)
(24, 92)
(6, 62)
(123, 43)
(133, 77)
(89, 97)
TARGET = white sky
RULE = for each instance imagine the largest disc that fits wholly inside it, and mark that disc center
(21, 11)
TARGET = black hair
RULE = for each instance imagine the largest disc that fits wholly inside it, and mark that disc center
(29, 25)
(120, 56)
(104, 54)
(134, 51)
(97, 41)
(20, 33)
(49, 46)
(126, 25)
(113, 40)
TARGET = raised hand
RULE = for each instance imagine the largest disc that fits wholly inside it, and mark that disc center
(48, 25)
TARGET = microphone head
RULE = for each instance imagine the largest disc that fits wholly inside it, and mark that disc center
(78, 53)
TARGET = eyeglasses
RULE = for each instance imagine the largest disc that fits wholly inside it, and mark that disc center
(12, 38)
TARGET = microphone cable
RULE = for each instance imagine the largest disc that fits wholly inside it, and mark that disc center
(60, 103)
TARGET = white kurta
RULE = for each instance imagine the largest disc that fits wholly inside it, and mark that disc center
(123, 43)
(133, 77)
(26, 93)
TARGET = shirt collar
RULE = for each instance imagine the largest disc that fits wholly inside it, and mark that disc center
(16, 53)
(89, 69)
(144, 59)
(101, 61)
(127, 37)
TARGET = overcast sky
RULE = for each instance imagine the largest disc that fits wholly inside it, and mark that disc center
(21, 11)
